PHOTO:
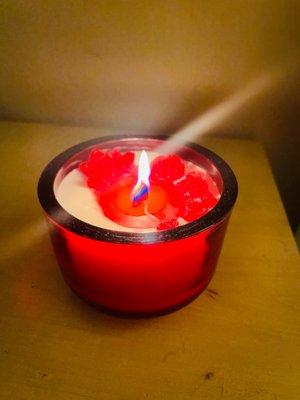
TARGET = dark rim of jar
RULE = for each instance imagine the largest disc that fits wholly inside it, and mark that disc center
(60, 216)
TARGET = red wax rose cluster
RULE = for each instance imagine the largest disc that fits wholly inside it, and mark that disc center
(188, 193)
(103, 169)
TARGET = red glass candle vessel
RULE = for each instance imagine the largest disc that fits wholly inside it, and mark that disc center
(137, 273)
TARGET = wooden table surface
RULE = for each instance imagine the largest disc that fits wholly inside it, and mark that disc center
(241, 343)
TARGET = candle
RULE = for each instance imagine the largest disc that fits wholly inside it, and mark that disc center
(132, 236)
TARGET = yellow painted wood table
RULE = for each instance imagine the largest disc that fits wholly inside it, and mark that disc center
(240, 343)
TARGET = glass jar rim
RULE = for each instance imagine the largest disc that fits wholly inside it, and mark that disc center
(60, 216)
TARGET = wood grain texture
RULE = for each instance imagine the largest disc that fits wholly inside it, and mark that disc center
(239, 340)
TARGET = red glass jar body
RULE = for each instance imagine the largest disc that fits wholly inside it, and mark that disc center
(137, 273)
(138, 278)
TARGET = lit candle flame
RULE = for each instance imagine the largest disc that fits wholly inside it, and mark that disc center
(141, 189)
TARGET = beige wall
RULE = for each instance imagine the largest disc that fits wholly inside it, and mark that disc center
(147, 65)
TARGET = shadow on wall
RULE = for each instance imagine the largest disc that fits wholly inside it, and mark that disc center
(278, 129)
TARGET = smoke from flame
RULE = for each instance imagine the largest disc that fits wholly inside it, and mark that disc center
(221, 112)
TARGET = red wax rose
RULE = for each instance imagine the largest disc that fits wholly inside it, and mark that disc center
(167, 169)
(193, 197)
(167, 224)
(105, 168)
